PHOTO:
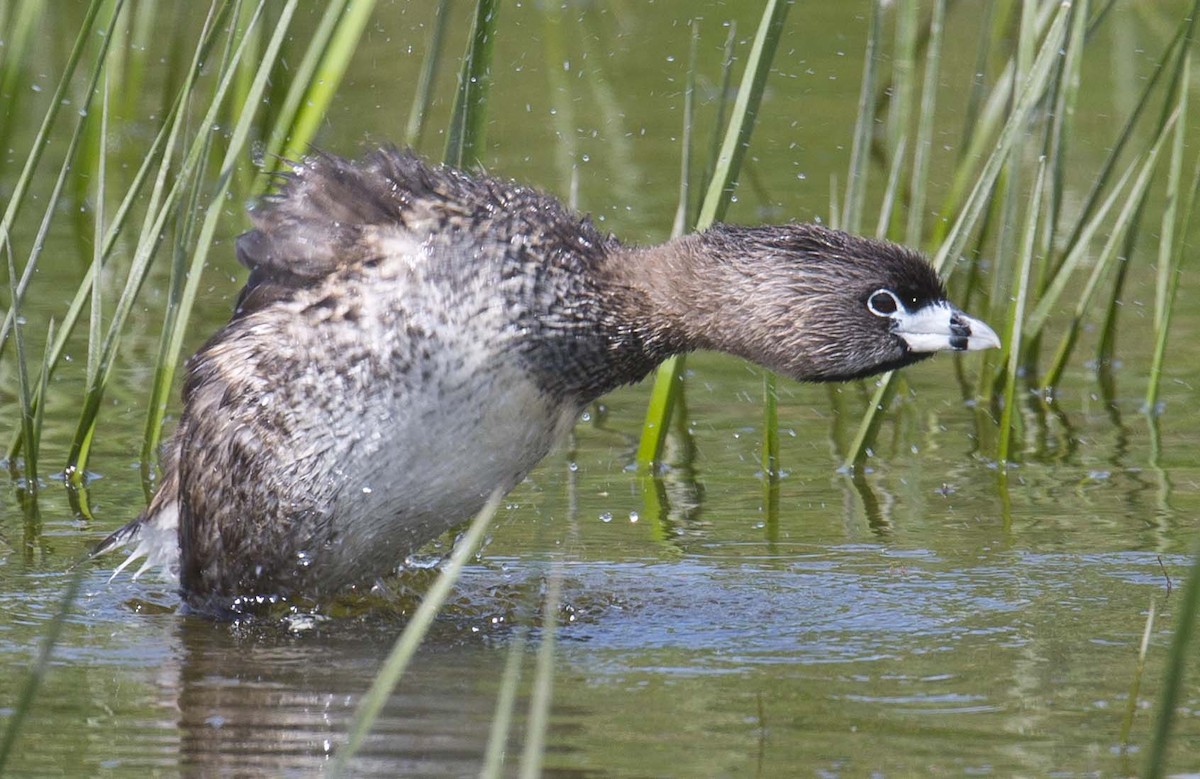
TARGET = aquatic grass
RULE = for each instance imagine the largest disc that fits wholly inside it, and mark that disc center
(680, 224)
(19, 27)
(538, 722)
(715, 203)
(23, 388)
(1170, 62)
(950, 246)
(162, 205)
(166, 136)
(180, 304)
(1108, 257)
(17, 288)
(95, 303)
(561, 99)
(901, 96)
(864, 127)
(720, 120)
(919, 181)
(1164, 304)
(145, 24)
(1056, 142)
(166, 363)
(314, 85)
(668, 379)
(888, 204)
(465, 136)
(414, 128)
(1011, 345)
(1135, 683)
(57, 100)
(393, 668)
(501, 725)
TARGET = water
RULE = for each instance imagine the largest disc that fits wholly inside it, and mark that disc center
(922, 619)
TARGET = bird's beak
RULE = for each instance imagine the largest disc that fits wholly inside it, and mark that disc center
(939, 327)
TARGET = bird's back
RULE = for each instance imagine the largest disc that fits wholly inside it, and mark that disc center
(390, 363)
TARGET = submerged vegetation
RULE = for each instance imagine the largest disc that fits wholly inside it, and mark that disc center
(243, 92)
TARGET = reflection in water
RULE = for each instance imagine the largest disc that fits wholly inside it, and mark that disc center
(260, 699)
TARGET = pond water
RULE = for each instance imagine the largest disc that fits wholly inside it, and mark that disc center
(924, 618)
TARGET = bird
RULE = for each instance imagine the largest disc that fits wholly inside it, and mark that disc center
(413, 337)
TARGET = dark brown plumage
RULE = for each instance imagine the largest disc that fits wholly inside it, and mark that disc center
(411, 338)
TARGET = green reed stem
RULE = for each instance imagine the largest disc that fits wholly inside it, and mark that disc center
(282, 133)
(668, 379)
(157, 214)
(41, 665)
(413, 634)
(538, 725)
(18, 34)
(716, 201)
(1016, 316)
(895, 174)
(57, 100)
(1135, 684)
(116, 226)
(1030, 94)
(561, 98)
(23, 388)
(318, 87)
(864, 127)
(423, 96)
(465, 138)
(1163, 312)
(720, 121)
(745, 112)
(168, 358)
(498, 732)
(770, 445)
(919, 184)
(1108, 256)
(1177, 659)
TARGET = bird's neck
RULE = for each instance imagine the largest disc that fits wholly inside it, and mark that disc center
(684, 295)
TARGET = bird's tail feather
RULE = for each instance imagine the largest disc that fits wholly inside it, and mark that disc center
(154, 536)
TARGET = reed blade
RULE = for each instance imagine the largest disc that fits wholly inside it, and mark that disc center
(315, 91)
(169, 356)
(668, 379)
(919, 183)
(86, 32)
(413, 634)
(430, 64)
(1163, 312)
(864, 126)
(501, 725)
(538, 723)
(465, 137)
(153, 226)
(41, 666)
(1107, 258)
(716, 202)
(169, 130)
(1180, 654)
(1028, 97)
(1016, 316)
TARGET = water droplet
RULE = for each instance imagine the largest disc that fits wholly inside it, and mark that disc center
(606, 516)
(633, 516)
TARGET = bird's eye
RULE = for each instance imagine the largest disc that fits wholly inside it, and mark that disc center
(883, 302)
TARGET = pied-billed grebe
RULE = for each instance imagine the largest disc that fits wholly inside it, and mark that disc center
(411, 338)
